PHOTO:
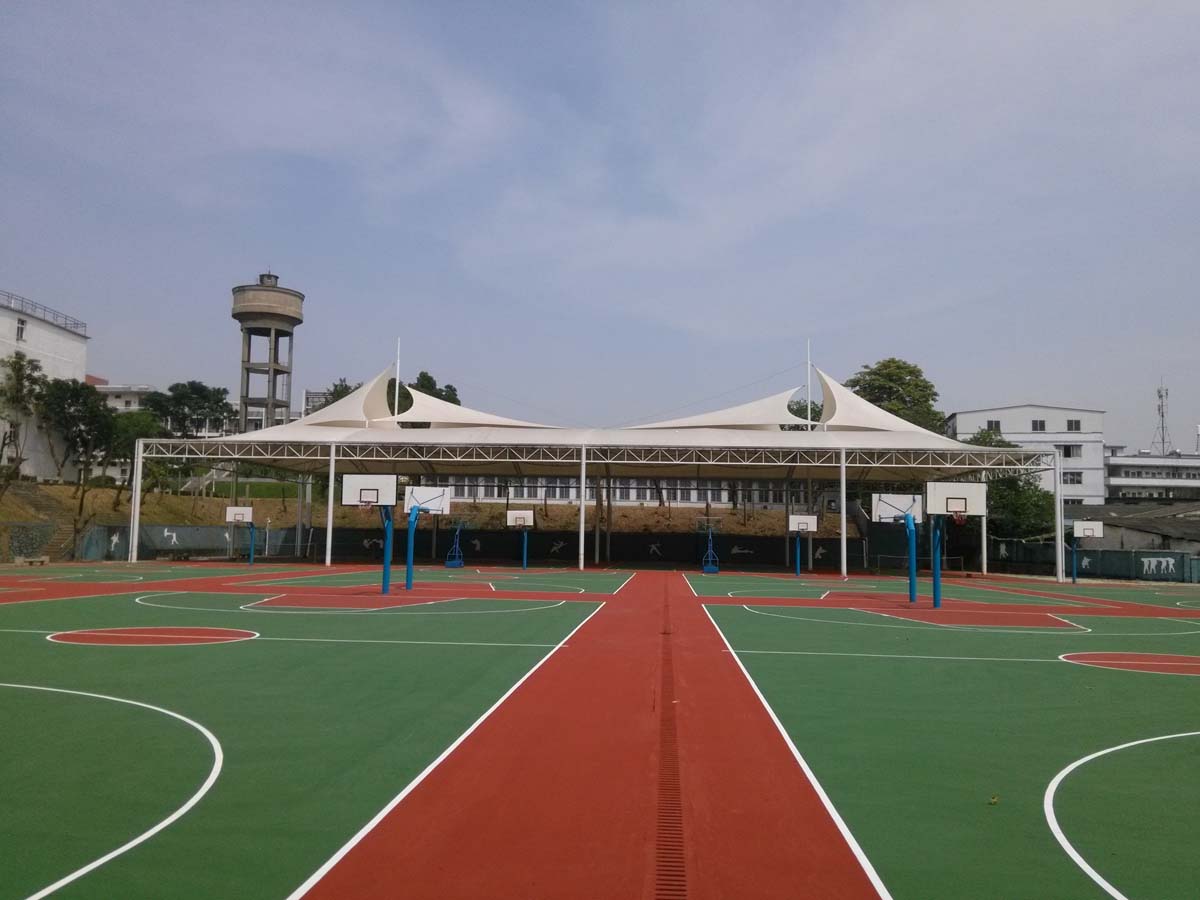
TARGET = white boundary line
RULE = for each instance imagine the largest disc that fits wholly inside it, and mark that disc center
(688, 582)
(412, 785)
(214, 772)
(1052, 819)
(903, 656)
(625, 582)
(418, 643)
(1115, 667)
(143, 600)
(197, 640)
(867, 868)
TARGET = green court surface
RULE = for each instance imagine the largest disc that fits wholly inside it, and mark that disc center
(326, 714)
(937, 746)
(564, 581)
(750, 586)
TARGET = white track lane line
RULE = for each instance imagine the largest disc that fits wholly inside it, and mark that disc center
(214, 772)
(1052, 819)
(863, 861)
(412, 785)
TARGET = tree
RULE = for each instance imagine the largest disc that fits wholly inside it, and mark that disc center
(128, 429)
(800, 408)
(21, 383)
(339, 389)
(426, 384)
(902, 389)
(83, 422)
(188, 405)
(1018, 506)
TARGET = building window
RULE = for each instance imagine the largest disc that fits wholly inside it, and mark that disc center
(128, 404)
(623, 488)
(1072, 501)
(20, 329)
(1038, 425)
(1071, 451)
(993, 425)
(1072, 477)
(1074, 425)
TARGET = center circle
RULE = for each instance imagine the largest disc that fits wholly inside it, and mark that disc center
(152, 636)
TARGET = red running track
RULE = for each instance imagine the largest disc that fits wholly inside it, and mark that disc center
(636, 762)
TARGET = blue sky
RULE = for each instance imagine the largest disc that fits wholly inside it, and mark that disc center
(598, 213)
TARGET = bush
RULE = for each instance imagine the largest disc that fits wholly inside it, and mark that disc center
(102, 481)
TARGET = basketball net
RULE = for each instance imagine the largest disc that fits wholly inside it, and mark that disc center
(960, 518)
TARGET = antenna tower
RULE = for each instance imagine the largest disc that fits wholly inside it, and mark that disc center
(1162, 436)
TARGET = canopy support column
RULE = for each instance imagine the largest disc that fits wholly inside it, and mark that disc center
(582, 502)
(1059, 563)
(842, 505)
(983, 536)
(329, 505)
(135, 503)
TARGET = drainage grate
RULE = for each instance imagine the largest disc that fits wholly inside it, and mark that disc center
(670, 880)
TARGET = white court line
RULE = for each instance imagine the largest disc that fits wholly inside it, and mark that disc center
(867, 868)
(412, 785)
(418, 643)
(904, 656)
(392, 610)
(251, 607)
(688, 581)
(626, 581)
(116, 632)
(1052, 819)
(987, 628)
(1114, 665)
(214, 772)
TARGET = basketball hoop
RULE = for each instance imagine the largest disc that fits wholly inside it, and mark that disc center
(960, 518)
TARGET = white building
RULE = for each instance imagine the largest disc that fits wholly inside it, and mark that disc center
(125, 397)
(1145, 475)
(59, 343)
(1077, 433)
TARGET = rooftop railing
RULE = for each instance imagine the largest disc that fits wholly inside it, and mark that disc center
(40, 311)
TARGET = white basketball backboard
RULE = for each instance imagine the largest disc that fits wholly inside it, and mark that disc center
(373, 490)
(433, 499)
(892, 507)
(240, 515)
(1089, 529)
(520, 518)
(802, 524)
(950, 498)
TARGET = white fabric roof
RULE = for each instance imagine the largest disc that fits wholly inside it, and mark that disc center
(766, 414)
(847, 421)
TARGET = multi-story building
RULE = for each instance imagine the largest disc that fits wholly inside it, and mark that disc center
(1077, 433)
(59, 343)
(125, 397)
(1145, 475)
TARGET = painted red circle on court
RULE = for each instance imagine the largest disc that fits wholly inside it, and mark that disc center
(152, 636)
(1164, 663)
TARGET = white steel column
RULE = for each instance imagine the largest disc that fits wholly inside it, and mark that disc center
(135, 503)
(582, 501)
(842, 506)
(329, 505)
(983, 532)
(1059, 562)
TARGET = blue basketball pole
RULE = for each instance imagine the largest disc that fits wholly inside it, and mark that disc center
(386, 512)
(413, 515)
(251, 543)
(524, 548)
(910, 528)
(797, 554)
(936, 562)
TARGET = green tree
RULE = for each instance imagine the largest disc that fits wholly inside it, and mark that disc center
(339, 389)
(21, 383)
(77, 416)
(1018, 506)
(902, 389)
(187, 406)
(800, 408)
(128, 429)
(426, 384)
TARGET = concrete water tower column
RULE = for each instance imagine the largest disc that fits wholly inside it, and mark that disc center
(269, 315)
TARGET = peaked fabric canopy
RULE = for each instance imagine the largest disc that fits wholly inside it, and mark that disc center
(844, 410)
(766, 414)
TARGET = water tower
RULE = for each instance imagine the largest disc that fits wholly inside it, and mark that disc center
(268, 315)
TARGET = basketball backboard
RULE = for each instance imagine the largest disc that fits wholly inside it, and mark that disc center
(368, 490)
(239, 515)
(956, 498)
(1089, 529)
(802, 524)
(892, 507)
(430, 498)
(520, 518)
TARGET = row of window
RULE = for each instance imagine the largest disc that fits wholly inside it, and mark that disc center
(491, 487)
(1036, 425)
(1193, 474)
